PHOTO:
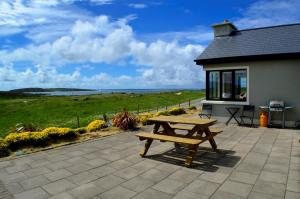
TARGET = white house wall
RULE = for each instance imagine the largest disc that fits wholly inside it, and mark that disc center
(268, 80)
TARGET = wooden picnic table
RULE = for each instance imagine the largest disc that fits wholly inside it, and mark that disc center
(196, 131)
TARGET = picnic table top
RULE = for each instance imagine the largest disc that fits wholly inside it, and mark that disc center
(183, 120)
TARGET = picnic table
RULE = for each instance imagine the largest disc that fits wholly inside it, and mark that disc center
(196, 131)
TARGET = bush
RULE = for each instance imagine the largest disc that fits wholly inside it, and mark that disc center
(64, 133)
(38, 138)
(193, 108)
(176, 111)
(143, 118)
(166, 113)
(4, 151)
(19, 140)
(96, 125)
(125, 121)
(81, 130)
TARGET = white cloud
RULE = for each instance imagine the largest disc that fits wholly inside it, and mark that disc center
(270, 12)
(7, 30)
(41, 20)
(102, 2)
(168, 63)
(101, 40)
(137, 5)
(19, 13)
(48, 77)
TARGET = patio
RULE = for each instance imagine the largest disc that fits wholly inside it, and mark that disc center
(252, 163)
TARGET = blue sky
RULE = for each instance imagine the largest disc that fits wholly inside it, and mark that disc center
(119, 43)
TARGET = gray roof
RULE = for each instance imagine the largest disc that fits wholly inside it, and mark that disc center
(256, 43)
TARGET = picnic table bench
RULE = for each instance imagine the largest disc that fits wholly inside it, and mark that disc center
(197, 132)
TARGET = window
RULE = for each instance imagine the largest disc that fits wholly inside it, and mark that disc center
(227, 85)
(214, 85)
(241, 85)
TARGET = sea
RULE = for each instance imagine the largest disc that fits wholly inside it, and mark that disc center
(104, 91)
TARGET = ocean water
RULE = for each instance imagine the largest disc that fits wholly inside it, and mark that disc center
(103, 91)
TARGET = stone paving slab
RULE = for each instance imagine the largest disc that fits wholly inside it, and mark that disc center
(251, 163)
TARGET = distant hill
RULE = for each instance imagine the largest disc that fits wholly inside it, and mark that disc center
(26, 90)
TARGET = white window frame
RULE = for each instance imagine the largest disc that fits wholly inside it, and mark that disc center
(247, 102)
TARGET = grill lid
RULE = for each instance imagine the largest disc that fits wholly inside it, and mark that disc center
(276, 104)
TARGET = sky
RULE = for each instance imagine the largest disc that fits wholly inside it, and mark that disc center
(106, 44)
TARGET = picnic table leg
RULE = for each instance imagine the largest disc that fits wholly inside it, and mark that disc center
(169, 131)
(156, 127)
(149, 141)
(146, 148)
(192, 152)
(211, 139)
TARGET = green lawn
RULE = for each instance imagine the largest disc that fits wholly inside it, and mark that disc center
(45, 111)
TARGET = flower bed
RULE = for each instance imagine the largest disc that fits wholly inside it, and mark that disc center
(20, 140)
(177, 111)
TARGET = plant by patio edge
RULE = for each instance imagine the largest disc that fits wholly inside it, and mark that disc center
(143, 118)
(125, 120)
(46, 137)
(172, 111)
(96, 125)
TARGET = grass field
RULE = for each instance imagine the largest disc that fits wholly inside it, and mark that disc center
(61, 111)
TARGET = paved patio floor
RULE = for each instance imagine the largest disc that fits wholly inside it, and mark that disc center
(252, 163)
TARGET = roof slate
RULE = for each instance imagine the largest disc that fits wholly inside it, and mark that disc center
(258, 42)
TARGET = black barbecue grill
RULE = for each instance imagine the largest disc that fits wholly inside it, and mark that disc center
(277, 106)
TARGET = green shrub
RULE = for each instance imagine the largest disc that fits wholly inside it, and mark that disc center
(166, 113)
(176, 111)
(96, 125)
(81, 130)
(4, 151)
(193, 108)
(39, 138)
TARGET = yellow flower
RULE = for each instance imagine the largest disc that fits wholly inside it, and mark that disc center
(39, 136)
(143, 118)
(162, 113)
(96, 125)
(17, 137)
(3, 144)
(60, 132)
(176, 111)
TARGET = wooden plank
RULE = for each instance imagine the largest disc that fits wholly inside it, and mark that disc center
(215, 131)
(181, 127)
(189, 128)
(169, 138)
(183, 120)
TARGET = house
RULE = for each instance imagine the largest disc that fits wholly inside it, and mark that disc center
(253, 66)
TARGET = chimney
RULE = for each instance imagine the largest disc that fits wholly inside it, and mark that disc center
(223, 29)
